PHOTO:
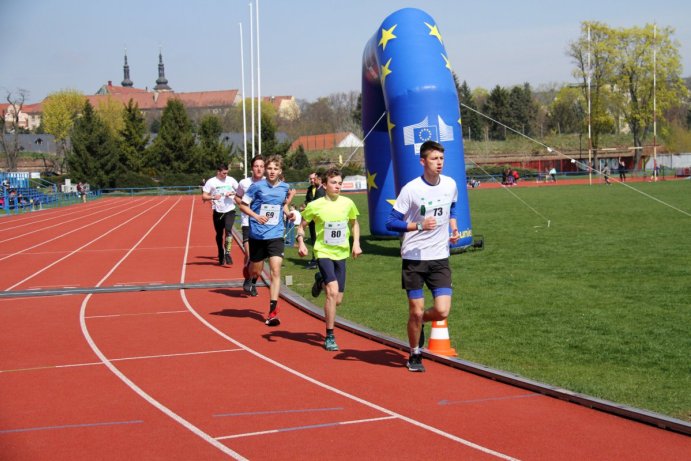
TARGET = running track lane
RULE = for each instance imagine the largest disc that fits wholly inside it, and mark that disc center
(206, 357)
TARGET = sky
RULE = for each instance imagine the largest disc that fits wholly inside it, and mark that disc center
(307, 48)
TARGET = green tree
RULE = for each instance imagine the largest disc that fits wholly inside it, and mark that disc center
(523, 110)
(497, 108)
(299, 160)
(635, 50)
(270, 145)
(212, 151)
(173, 151)
(134, 137)
(471, 122)
(110, 111)
(595, 58)
(95, 157)
(567, 112)
(60, 110)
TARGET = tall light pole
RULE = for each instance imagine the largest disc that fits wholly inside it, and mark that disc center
(252, 72)
(259, 92)
(244, 110)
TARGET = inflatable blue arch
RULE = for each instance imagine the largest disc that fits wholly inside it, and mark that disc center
(408, 97)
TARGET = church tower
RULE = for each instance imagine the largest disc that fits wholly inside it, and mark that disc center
(161, 81)
(126, 82)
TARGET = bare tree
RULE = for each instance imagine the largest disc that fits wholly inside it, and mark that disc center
(10, 130)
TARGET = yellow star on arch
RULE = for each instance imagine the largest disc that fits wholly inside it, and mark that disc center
(386, 35)
(446, 60)
(385, 71)
(390, 125)
(370, 181)
(434, 31)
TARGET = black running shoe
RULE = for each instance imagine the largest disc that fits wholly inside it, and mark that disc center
(415, 363)
(247, 286)
(317, 286)
(228, 259)
(253, 290)
(221, 259)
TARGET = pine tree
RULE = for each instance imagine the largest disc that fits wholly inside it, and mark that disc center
(211, 149)
(471, 122)
(133, 137)
(497, 108)
(173, 151)
(94, 157)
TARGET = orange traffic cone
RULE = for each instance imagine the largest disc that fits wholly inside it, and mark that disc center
(439, 339)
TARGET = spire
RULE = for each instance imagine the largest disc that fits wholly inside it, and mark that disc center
(161, 81)
(126, 82)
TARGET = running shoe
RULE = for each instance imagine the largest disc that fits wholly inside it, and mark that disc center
(272, 319)
(228, 259)
(221, 259)
(330, 343)
(253, 290)
(415, 363)
(317, 286)
(247, 286)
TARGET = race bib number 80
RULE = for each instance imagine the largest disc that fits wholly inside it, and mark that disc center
(335, 232)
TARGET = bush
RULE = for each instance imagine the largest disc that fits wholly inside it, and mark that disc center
(134, 180)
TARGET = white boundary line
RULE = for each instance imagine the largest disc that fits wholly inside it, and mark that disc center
(85, 331)
(44, 228)
(319, 383)
(68, 233)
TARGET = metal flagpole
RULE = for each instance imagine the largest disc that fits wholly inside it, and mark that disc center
(259, 92)
(655, 170)
(590, 137)
(244, 110)
(252, 73)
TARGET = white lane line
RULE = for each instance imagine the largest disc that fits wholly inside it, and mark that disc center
(123, 359)
(134, 315)
(42, 229)
(317, 382)
(44, 242)
(108, 363)
(301, 428)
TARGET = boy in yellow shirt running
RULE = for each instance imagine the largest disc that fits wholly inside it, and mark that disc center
(335, 217)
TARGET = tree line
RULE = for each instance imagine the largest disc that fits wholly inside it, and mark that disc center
(619, 74)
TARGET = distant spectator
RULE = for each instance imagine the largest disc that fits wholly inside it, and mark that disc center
(606, 173)
(553, 174)
(622, 170)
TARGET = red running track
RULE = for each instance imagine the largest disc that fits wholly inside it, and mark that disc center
(195, 374)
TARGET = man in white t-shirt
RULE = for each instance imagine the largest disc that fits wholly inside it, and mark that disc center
(425, 213)
(220, 190)
(257, 175)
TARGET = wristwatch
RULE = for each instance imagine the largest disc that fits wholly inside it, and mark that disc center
(419, 226)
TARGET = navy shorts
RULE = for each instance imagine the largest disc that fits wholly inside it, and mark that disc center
(333, 270)
(262, 249)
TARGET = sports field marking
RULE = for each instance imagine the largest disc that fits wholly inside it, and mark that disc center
(316, 382)
(489, 399)
(108, 362)
(69, 426)
(42, 229)
(110, 316)
(276, 412)
(58, 213)
(302, 428)
(43, 242)
(123, 359)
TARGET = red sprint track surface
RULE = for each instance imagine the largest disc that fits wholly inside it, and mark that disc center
(194, 374)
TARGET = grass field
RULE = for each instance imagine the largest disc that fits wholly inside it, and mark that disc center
(597, 302)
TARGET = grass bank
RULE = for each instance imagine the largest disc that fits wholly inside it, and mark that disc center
(598, 302)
